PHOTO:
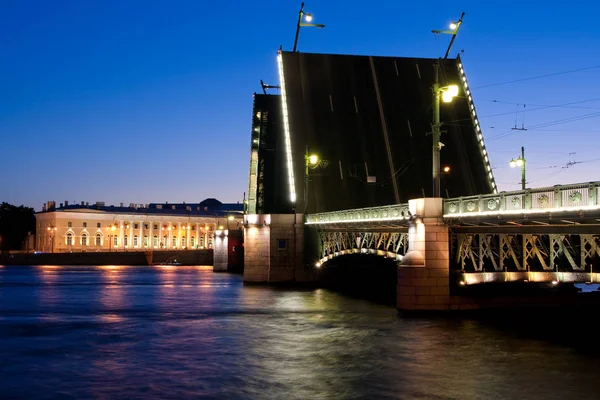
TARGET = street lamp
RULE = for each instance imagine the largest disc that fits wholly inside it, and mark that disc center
(307, 18)
(520, 162)
(111, 236)
(447, 93)
(310, 161)
(52, 230)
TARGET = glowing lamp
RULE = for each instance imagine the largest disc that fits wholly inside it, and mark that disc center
(453, 25)
(512, 163)
(307, 17)
(453, 90)
(446, 97)
(313, 159)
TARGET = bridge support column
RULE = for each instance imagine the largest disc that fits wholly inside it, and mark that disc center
(424, 275)
(220, 251)
(228, 251)
(273, 248)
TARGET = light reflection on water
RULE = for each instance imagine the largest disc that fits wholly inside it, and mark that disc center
(185, 332)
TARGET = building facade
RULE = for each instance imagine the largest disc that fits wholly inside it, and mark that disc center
(80, 228)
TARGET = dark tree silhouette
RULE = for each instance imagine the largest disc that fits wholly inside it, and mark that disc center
(15, 223)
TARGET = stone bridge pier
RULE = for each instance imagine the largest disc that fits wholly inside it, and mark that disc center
(424, 274)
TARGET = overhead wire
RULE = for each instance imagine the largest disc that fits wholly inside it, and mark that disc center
(537, 77)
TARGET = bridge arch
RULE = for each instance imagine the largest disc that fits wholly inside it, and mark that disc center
(333, 244)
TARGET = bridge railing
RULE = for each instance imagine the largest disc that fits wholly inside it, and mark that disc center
(579, 196)
(394, 212)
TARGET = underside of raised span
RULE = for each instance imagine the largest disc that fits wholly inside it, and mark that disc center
(369, 121)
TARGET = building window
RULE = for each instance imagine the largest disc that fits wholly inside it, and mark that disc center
(115, 241)
(154, 226)
(125, 241)
(193, 227)
(136, 226)
(202, 242)
(210, 243)
(174, 241)
(192, 241)
(135, 240)
(164, 242)
(98, 225)
(85, 224)
(70, 224)
(155, 241)
(146, 226)
(84, 239)
(145, 240)
(98, 239)
(69, 239)
(183, 242)
(281, 244)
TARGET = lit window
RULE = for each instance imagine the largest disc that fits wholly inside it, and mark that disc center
(210, 243)
(115, 241)
(98, 225)
(164, 242)
(84, 239)
(201, 242)
(183, 242)
(125, 241)
(85, 224)
(135, 240)
(145, 240)
(192, 241)
(98, 239)
(174, 241)
(69, 239)
(155, 241)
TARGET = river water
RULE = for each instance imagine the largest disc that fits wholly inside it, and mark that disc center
(185, 332)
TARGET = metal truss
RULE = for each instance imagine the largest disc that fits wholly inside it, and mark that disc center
(333, 243)
(487, 252)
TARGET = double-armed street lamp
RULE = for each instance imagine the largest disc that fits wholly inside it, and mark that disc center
(307, 18)
(447, 93)
(52, 230)
(520, 162)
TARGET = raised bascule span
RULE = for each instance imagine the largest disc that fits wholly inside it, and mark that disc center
(369, 188)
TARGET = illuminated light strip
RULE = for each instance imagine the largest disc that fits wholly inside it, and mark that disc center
(476, 123)
(286, 128)
(521, 211)
(348, 221)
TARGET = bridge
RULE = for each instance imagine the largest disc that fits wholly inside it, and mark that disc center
(370, 192)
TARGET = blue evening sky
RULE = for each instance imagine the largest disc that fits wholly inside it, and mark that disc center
(150, 101)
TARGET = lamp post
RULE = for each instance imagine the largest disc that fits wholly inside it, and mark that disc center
(52, 230)
(520, 162)
(308, 19)
(447, 93)
(310, 161)
(111, 236)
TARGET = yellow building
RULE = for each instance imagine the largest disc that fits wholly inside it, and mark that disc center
(138, 227)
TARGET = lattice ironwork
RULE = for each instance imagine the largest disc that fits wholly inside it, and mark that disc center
(579, 196)
(394, 212)
(495, 252)
(332, 243)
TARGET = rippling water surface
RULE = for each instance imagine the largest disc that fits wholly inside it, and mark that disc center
(184, 332)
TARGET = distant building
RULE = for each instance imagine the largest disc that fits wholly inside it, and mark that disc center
(137, 227)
